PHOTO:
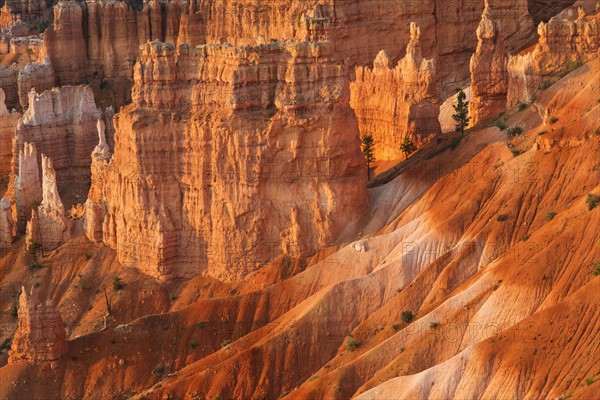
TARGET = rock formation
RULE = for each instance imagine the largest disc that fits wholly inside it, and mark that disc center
(8, 125)
(62, 123)
(6, 223)
(102, 37)
(562, 47)
(221, 138)
(50, 226)
(36, 77)
(40, 335)
(392, 103)
(8, 83)
(489, 82)
(27, 186)
(94, 206)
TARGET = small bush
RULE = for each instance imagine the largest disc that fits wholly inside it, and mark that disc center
(502, 217)
(545, 85)
(498, 165)
(550, 215)
(33, 247)
(553, 120)
(596, 270)
(514, 131)
(407, 316)
(34, 266)
(522, 106)
(351, 344)
(589, 381)
(282, 395)
(533, 98)
(200, 325)
(597, 131)
(592, 200)
(542, 133)
(117, 284)
(516, 152)
(193, 345)
(499, 123)
(396, 327)
(226, 343)
(88, 257)
(14, 311)
(525, 237)
(434, 325)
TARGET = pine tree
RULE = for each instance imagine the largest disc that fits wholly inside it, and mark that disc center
(462, 112)
(368, 149)
(408, 146)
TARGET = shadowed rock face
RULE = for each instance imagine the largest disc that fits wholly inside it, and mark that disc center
(40, 334)
(255, 146)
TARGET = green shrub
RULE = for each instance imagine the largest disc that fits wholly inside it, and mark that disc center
(522, 106)
(434, 325)
(545, 85)
(33, 247)
(542, 133)
(514, 131)
(589, 381)
(550, 215)
(499, 123)
(407, 316)
(516, 152)
(553, 120)
(525, 237)
(351, 344)
(117, 284)
(502, 217)
(592, 200)
(193, 344)
(226, 343)
(596, 270)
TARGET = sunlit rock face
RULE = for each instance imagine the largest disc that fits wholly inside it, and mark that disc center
(228, 157)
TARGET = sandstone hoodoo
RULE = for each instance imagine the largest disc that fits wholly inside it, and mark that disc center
(489, 79)
(392, 103)
(299, 199)
(40, 335)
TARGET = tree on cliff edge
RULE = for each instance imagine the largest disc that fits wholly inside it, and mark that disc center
(368, 149)
(462, 112)
(407, 146)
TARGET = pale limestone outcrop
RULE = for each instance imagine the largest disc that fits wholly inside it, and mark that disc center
(40, 335)
(254, 145)
(53, 227)
(27, 185)
(6, 223)
(394, 102)
(563, 46)
(489, 79)
(62, 123)
(35, 77)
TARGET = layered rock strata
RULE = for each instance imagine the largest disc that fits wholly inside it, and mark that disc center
(489, 80)
(36, 77)
(62, 124)
(563, 46)
(40, 335)
(394, 102)
(228, 157)
(8, 125)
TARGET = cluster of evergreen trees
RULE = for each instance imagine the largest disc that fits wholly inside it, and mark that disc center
(461, 116)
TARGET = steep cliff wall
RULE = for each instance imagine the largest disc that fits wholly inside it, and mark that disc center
(563, 46)
(392, 103)
(228, 157)
(39, 77)
(8, 125)
(102, 37)
(8, 84)
(62, 124)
